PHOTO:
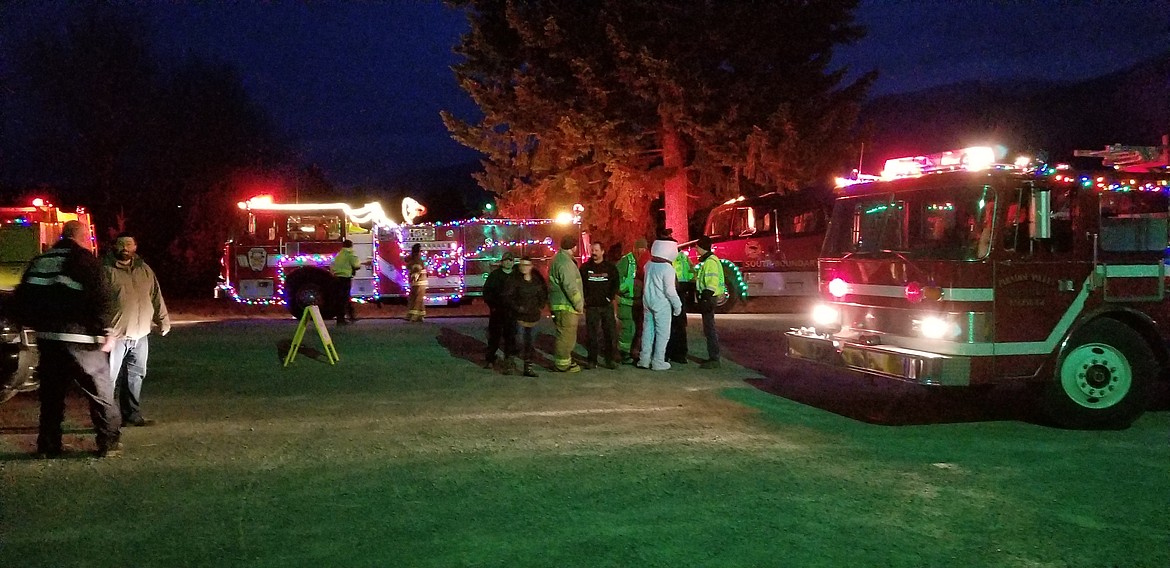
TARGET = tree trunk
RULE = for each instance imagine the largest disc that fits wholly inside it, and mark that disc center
(674, 189)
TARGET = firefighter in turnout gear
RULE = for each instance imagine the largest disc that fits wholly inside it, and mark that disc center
(567, 302)
(65, 297)
(709, 286)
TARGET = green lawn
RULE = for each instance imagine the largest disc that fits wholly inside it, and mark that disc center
(408, 454)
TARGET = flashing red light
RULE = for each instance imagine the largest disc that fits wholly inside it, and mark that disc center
(838, 287)
(914, 292)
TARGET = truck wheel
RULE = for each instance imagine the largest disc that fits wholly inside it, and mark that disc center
(733, 297)
(307, 287)
(1102, 379)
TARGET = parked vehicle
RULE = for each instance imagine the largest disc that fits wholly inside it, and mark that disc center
(282, 253)
(953, 270)
(769, 244)
(25, 231)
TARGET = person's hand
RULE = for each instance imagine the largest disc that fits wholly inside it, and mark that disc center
(676, 313)
(166, 328)
(108, 345)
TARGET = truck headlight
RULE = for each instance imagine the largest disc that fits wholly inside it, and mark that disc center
(824, 315)
(933, 327)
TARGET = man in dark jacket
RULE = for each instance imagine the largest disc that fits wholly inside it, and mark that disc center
(600, 279)
(64, 296)
(501, 319)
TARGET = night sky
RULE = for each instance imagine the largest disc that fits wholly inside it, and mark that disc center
(359, 87)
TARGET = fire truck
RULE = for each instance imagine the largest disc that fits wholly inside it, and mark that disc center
(282, 253)
(952, 269)
(26, 231)
(769, 244)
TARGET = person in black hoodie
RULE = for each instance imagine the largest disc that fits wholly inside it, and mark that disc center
(601, 282)
(501, 320)
(527, 294)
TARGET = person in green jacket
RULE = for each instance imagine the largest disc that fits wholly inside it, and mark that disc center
(630, 300)
(710, 286)
(566, 299)
(345, 264)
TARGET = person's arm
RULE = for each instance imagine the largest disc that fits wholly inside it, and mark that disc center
(668, 288)
(162, 318)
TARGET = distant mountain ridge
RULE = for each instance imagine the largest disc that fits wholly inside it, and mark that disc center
(1131, 106)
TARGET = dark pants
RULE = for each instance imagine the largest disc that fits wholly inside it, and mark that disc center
(529, 329)
(501, 329)
(676, 348)
(711, 334)
(601, 333)
(344, 305)
(62, 365)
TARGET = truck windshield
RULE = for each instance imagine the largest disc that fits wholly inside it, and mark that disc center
(934, 224)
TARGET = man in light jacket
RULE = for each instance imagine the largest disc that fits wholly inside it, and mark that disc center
(139, 306)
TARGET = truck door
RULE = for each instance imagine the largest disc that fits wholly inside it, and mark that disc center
(1038, 279)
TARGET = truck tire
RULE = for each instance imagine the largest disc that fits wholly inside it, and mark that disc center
(310, 286)
(734, 296)
(1102, 378)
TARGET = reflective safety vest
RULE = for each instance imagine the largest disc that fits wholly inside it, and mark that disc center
(683, 270)
(710, 275)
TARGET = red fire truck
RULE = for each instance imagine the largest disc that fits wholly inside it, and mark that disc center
(769, 244)
(25, 232)
(282, 253)
(952, 270)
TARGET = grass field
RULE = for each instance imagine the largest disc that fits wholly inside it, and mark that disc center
(407, 453)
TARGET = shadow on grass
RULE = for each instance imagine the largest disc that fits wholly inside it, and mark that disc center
(283, 346)
(472, 349)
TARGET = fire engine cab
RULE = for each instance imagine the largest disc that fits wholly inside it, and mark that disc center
(284, 252)
(951, 269)
(26, 231)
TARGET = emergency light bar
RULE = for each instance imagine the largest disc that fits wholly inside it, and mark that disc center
(971, 159)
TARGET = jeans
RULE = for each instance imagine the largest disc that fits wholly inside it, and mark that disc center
(600, 326)
(128, 368)
(711, 334)
(61, 365)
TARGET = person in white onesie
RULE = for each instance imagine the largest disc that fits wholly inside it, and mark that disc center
(661, 301)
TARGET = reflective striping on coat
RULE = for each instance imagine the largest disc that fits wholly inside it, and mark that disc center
(70, 337)
(710, 276)
(58, 279)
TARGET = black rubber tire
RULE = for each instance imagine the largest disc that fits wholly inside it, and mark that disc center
(1116, 343)
(733, 298)
(310, 286)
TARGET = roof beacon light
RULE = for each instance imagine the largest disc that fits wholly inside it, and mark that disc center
(972, 159)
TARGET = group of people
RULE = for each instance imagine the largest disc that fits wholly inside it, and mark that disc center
(92, 319)
(650, 289)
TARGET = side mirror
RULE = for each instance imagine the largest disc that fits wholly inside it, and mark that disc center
(1040, 214)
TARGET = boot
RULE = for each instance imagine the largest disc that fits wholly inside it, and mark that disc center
(507, 366)
(528, 372)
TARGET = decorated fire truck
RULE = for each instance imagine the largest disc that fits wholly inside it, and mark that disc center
(26, 231)
(768, 244)
(952, 269)
(283, 252)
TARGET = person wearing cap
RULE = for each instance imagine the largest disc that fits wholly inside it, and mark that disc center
(501, 319)
(345, 264)
(567, 302)
(661, 301)
(709, 285)
(630, 300)
(600, 279)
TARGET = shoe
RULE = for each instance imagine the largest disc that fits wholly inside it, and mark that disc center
(710, 364)
(589, 365)
(112, 450)
(140, 421)
(663, 366)
(491, 364)
(609, 364)
(572, 368)
(342, 322)
(628, 360)
(680, 361)
(528, 372)
(641, 366)
(507, 367)
(48, 453)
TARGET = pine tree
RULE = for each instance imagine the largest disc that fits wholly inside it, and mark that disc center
(613, 103)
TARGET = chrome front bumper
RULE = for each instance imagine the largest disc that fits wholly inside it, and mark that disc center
(911, 365)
